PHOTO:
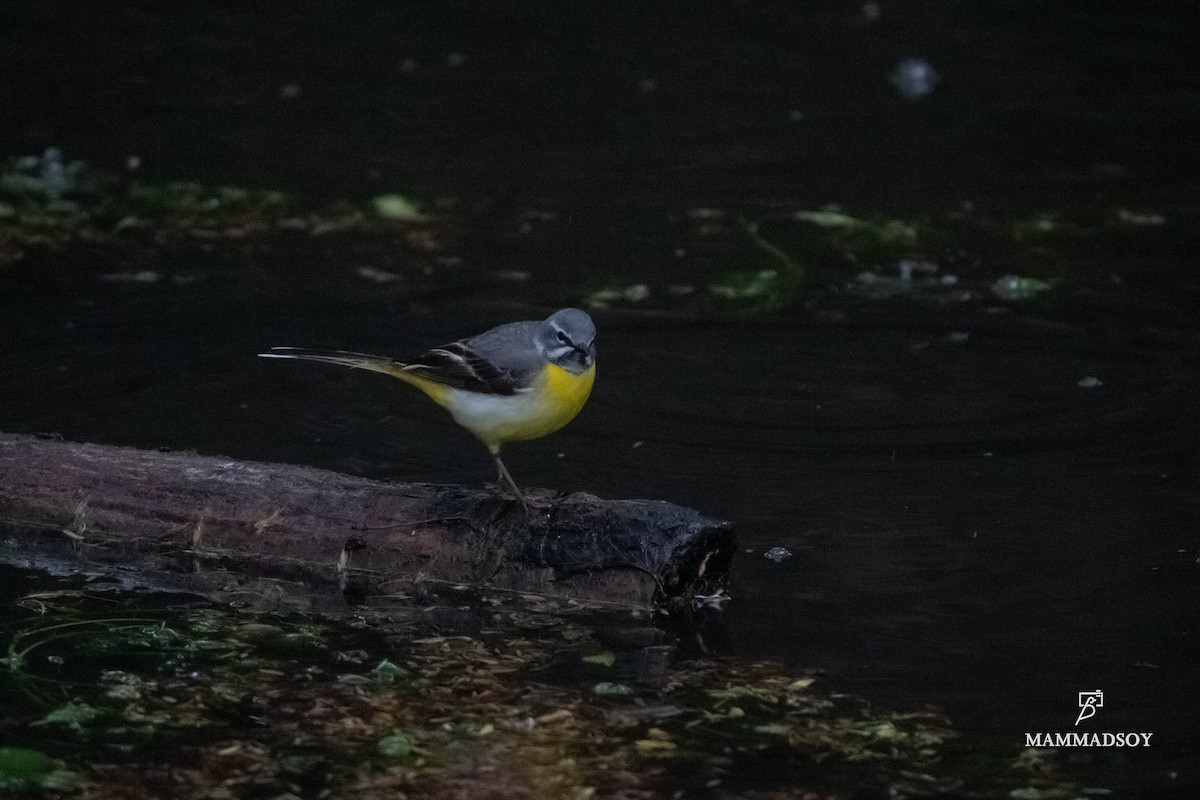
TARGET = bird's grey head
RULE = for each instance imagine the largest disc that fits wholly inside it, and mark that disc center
(568, 338)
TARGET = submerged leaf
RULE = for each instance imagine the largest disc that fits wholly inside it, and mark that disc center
(605, 659)
(397, 745)
(399, 208)
(1015, 287)
(606, 688)
(762, 287)
(21, 763)
(828, 219)
(71, 715)
(386, 672)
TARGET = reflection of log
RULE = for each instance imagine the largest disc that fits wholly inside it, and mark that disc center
(238, 529)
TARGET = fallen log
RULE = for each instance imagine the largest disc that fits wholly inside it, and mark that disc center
(297, 536)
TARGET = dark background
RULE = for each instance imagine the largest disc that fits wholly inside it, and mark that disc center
(1059, 100)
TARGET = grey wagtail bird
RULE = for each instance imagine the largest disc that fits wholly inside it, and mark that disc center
(512, 383)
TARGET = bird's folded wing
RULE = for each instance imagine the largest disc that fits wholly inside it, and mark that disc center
(458, 365)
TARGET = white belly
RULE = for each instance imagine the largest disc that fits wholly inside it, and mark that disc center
(496, 419)
(551, 402)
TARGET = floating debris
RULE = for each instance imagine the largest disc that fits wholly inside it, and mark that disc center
(52, 203)
(605, 659)
(399, 208)
(717, 600)
(912, 277)
(48, 174)
(144, 276)
(637, 292)
(757, 286)
(57, 177)
(777, 554)
(1034, 225)
(603, 298)
(827, 218)
(1014, 287)
(611, 689)
(377, 275)
(913, 78)
(908, 267)
(1140, 219)
(1090, 382)
(858, 231)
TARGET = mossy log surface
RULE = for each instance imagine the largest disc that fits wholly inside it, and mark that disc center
(258, 532)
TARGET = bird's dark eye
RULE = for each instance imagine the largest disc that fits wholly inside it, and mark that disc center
(562, 337)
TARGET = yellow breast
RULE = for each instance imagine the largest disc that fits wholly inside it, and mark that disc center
(566, 392)
(553, 400)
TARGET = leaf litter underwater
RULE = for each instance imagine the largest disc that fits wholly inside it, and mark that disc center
(113, 694)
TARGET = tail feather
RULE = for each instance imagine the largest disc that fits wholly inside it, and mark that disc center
(342, 358)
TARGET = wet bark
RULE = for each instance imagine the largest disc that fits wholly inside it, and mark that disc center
(276, 534)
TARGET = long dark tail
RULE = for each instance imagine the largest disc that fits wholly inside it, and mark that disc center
(340, 357)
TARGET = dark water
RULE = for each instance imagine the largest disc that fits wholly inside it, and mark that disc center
(970, 528)
(1034, 99)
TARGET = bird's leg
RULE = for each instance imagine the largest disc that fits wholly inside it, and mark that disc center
(506, 480)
